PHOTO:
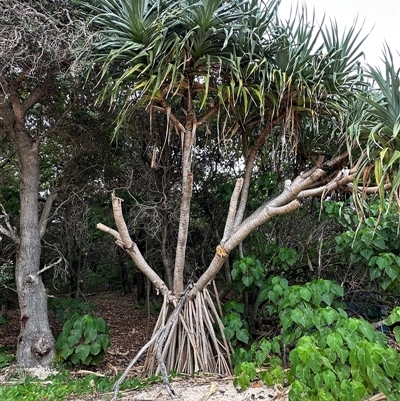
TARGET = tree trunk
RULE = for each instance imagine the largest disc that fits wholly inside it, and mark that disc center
(35, 342)
(126, 287)
(189, 136)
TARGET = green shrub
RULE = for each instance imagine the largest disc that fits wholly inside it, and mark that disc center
(371, 244)
(84, 339)
(332, 357)
(344, 361)
(236, 327)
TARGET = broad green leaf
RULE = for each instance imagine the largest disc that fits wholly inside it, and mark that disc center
(265, 346)
(297, 316)
(276, 346)
(267, 378)
(328, 297)
(343, 354)
(74, 337)
(90, 335)
(353, 390)
(376, 374)
(351, 338)
(247, 280)
(391, 362)
(82, 351)
(396, 333)
(315, 361)
(318, 380)
(380, 243)
(95, 348)
(374, 272)
(318, 320)
(325, 396)
(74, 358)
(242, 381)
(297, 390)
(79, 323)
(243, 335)
(103, 340)
(96, 359)
(357, 372)
(66, 351)
(331, 356)
(392, 271)
(330, 315)
(304, 352)
(384, 261)
(329, 378)
(335, 341)
(367, 329)
(264, 294)
(229, 332)
(303, 372)
(235, 273)
(337, 290)
(235, 322)
(305, 293)
(366, 253)
(89, 360)
(363, 356)
(249, 369)
(260, 357)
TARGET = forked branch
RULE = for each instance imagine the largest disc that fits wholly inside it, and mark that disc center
(124, 240)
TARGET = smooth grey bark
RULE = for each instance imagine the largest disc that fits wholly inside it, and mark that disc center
(189, 136)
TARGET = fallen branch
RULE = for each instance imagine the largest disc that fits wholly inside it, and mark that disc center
(378, 397)
(89, 372)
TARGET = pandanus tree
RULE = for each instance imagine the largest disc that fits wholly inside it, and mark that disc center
(377, 131)
(229, 68)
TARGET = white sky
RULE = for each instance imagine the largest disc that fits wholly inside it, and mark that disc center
(382, 16)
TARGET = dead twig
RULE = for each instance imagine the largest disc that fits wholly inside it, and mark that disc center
(89, 372)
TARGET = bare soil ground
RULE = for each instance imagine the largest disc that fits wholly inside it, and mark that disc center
(130, 329)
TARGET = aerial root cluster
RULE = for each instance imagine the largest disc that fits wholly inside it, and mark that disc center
(185, 340)
(192, 344)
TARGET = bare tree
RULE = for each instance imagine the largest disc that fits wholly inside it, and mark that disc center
(37, 41)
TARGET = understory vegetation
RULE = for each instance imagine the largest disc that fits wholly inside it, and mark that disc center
(61, 387)
(331, 338)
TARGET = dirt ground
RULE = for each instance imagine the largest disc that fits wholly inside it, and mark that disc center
(130, 328)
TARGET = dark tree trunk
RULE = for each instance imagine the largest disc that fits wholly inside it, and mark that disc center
(126, 287)
(35, 342)
(140, 286)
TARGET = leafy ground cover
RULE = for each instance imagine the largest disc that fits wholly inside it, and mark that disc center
(130, 327)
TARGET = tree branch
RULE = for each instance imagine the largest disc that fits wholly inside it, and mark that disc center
(123, 240)
(230, 220)
(44, 217)
(9, 232)
(38, 93)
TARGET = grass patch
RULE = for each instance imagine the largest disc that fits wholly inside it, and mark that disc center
(63, 387)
